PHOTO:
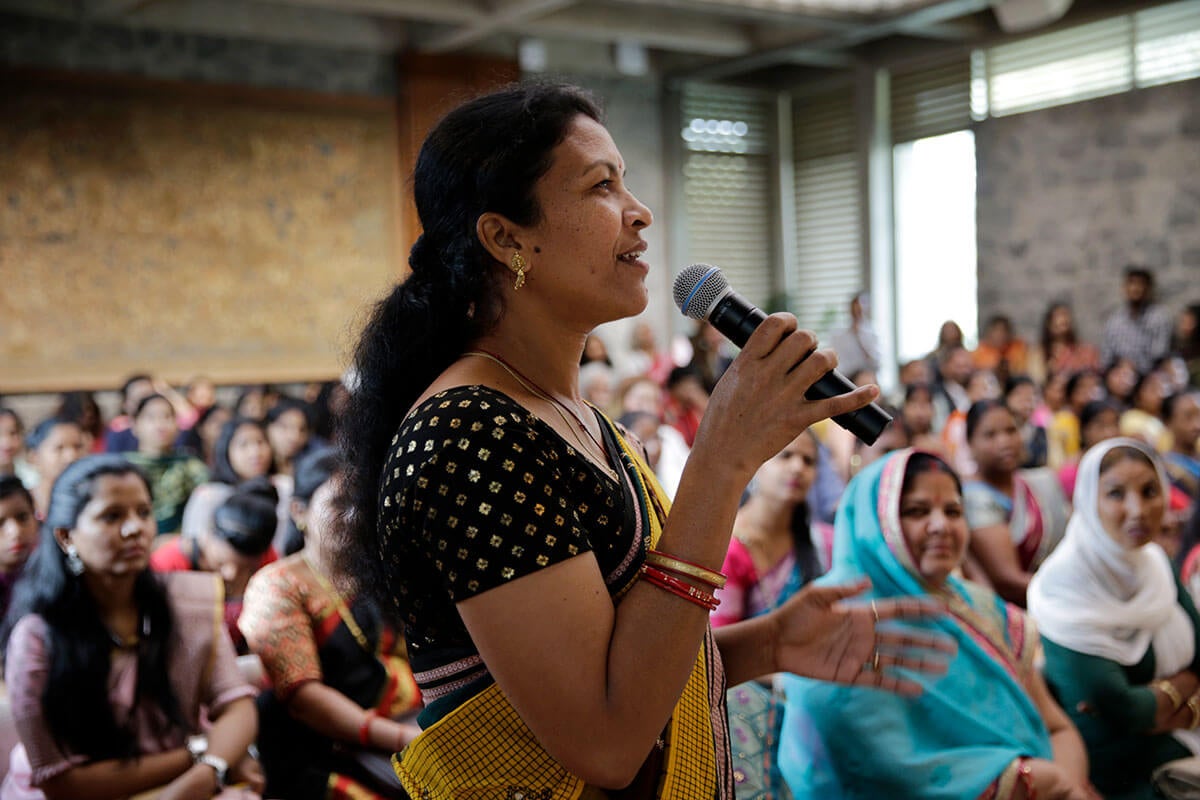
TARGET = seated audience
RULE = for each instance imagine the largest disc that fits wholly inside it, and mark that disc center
(289, 431)
(776, 548)
(1119, 381)
(596, 385)
(235, 545)
(1186, 341)
(1000, 351)
(1118, 628)
(1016, 517)
(1098, 421)
(342, 690)
(916, 416)
(686, 401)
(85, 411)
(1059, 349)
(1143, 419)
(173, 475)
(981, 385)
(1062, 434)
(1020, 395)
(12, 447)
(255, 401)
(641, 395)
(1181, 412)
(241, 453)
(51, 446)
(989, 728)
(113, 672)
(119, 436)
(18, 534)
(201, 439)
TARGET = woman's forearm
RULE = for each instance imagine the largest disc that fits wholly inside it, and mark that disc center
(747, 649)
(1070, 753)
(234, 731)
(117, 778)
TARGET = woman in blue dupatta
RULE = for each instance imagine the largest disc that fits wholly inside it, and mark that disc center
(986, 729)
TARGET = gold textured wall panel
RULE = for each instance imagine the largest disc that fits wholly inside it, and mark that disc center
(189, 234)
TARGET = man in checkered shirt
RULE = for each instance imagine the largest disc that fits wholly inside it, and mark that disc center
(1140, 330)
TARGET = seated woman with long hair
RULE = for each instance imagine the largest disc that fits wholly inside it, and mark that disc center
(989, 728)
(114, 673)
(1016, 516)
(341, 683)
(1120, 631)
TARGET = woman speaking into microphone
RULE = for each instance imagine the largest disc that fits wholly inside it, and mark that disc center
(555, 604)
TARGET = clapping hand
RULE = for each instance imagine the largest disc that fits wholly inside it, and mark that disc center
(819, 635)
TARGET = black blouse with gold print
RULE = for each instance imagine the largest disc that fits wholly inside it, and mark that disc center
(479, 491)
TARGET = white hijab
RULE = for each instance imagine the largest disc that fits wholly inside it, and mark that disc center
(1094, 596)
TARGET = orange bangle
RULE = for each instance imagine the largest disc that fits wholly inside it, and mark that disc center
(364, 730)
(680, 588)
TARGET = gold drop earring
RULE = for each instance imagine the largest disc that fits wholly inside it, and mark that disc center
(517, 264)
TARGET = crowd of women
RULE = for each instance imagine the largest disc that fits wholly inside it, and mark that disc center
(534, 571)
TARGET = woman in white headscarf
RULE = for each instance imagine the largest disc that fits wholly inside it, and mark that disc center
(1120, 632)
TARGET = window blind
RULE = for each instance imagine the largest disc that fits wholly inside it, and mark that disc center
(828, 223)
(727, 186)
(931, 101)
(1147, 48)
(1168, 43)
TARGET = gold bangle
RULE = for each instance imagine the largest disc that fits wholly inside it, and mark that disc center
(1193, 704)
(1168, 688)
(672, 564)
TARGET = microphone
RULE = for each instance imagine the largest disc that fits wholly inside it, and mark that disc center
(702, 293)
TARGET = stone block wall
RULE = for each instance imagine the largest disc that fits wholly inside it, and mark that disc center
(113, 48)
(1068, 196)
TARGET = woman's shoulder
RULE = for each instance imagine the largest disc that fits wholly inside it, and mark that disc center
(455, 417)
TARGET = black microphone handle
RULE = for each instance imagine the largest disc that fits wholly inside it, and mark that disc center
(737, 318)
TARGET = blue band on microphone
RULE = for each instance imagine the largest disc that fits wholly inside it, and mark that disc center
(703, 280)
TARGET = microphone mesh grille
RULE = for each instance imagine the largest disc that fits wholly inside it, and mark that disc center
(697, 288)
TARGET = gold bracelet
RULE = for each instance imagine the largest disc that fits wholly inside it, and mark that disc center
(1168, 688)
(1193, 704)
(681, 567)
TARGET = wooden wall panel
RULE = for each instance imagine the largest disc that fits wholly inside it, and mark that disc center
(187, 230)
(430, 86)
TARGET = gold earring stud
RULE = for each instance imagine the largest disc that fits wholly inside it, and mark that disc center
(517, 265)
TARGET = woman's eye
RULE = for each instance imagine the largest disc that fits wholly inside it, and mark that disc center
(605, 184)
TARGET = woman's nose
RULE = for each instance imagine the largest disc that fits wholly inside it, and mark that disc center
(639, 214)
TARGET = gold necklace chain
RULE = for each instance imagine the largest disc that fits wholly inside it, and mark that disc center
(556, 404)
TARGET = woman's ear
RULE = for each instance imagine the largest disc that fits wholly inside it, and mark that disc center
(498, 235)
(298, 510)
(63, 537)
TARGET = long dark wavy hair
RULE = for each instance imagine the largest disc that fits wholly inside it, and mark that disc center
(484, 156)
(75, 701)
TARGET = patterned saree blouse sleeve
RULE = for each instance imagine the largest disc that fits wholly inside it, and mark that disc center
(279, 631)
(478, 490)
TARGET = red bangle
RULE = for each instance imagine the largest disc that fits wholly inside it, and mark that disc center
(364, 730)
(680, 588)
(1025, 776)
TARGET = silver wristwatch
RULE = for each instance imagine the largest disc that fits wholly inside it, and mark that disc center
(197, 747)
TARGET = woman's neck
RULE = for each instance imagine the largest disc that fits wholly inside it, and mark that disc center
(765, 519)
(114, 600)
(551, 362)
(154, 452)
(998, 479)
